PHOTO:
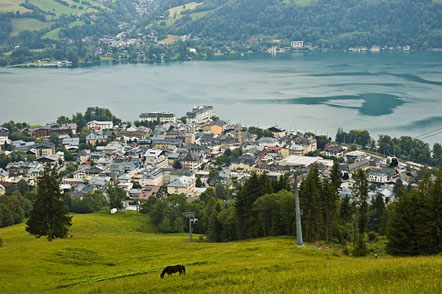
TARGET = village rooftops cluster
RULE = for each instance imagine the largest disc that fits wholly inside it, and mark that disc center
(171, 157)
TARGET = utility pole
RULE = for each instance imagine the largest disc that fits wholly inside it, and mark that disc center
(299, 242)
(191, 216)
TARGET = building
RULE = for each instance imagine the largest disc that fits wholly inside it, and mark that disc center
(200, 114)
(243, 163)
(154, 177)
(100, 125)
(4, 175)
(59, 129)
(294, 149)
(189, 139)
(277, 131)
(356, 155)
(302, 161)
(182, 185)
(375, 48)
(268, 142)
(216, 128)
(377, 176)
(4, 135)
(156, 158)
(297, 44)
(150, 191)
(161, 117)
(44, 149)
(97, 137)
(191, 161)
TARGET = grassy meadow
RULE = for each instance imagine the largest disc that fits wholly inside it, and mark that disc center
(121, 254)
(24, 24)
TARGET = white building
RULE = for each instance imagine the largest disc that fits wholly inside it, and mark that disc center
(156, 158)
(200, 114)
(153, 178)
(377, 177)
(158, 116)
(182, 185)
(100, 125)
(297, 44)
(295, 160)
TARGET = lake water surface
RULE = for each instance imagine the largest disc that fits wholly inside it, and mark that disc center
(392, 93)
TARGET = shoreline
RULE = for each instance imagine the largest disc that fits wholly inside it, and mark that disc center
(220, 57)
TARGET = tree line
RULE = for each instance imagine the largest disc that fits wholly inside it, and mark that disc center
(261, 207)
(404, 147)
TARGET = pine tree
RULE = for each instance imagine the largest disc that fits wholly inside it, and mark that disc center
(254, 188)
(376, 216)
(429, 218)
(310, 202)
(335, 175)
(214, 207)
(401, 227)
(345, 210)
(360, 192)
(49, 216)
(329, 199)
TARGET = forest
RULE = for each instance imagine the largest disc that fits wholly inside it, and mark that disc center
(246, 26)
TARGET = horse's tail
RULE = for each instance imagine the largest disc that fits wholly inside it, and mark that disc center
(163, 273)
(184, 269)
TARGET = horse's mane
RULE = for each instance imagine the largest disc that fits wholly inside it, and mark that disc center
(164, 272)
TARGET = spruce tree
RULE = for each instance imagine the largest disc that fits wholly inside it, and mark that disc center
(401, 227)
(254, 188)
(310, 202)
(49, 216)
(429, 218)
(360, 192)
(335, 175)
(329, 198)
(376, 216)
(214, 207)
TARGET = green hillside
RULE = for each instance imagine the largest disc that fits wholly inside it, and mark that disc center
(50, 6)
(23, 24)
(120, 254)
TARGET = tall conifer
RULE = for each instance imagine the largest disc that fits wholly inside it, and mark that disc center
(49, 216)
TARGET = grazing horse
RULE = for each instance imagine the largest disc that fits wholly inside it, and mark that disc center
(174, 269)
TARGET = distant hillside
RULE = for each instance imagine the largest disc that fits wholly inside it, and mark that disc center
(91, 31)
(119, 254)
(325, 23)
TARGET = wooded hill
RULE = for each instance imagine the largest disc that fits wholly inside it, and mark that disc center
(241, 26)
(325, 23)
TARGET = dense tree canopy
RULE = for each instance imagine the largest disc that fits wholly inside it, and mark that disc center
(49, 216)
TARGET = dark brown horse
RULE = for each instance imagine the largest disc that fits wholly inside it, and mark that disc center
(174, 269)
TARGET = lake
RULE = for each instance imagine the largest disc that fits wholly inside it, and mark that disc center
(394, 93)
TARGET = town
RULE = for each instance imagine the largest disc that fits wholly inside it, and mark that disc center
(161, 155)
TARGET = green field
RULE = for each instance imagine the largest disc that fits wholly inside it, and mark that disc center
(120, 254)
(24, 24)
(53, 34)
(175, 12)
(59, 9)
(12, 6)
(170, 39)
(48, 5)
